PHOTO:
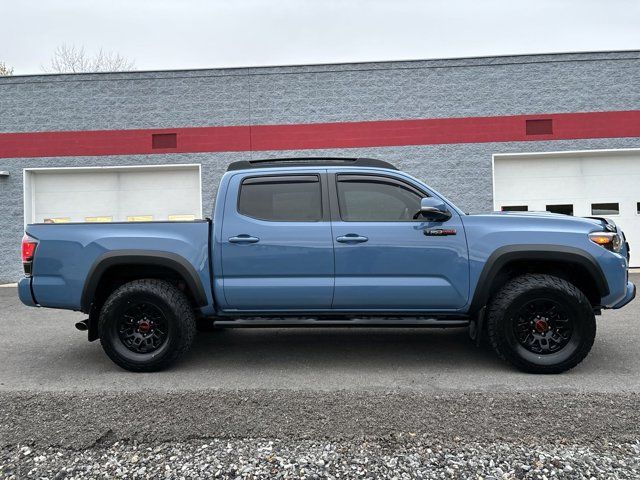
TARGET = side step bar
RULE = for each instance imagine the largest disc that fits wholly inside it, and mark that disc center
(358, 322)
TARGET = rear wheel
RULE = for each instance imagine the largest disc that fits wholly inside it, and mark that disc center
(146, 325)
(541, 324)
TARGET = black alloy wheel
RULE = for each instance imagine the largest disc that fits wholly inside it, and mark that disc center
(543, 326)
(143, 327)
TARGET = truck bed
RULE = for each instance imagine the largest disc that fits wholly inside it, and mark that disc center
(68, 253)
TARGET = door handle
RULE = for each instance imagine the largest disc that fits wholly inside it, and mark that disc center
(351, 238)
(244, 238)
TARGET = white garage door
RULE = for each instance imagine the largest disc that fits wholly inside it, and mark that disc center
(113, 194)
(592, 183)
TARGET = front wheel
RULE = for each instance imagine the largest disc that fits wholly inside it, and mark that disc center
(541, 324)
(146, 325)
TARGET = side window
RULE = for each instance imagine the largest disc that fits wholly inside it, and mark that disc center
(281, 199)
(371, 198)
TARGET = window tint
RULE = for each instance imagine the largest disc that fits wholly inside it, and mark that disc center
(282, 199)
(515, 208)
(376, 199)
(565, 209)
(605, 209)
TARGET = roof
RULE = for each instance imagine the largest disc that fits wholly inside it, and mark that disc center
(309, 162)
(439, 62)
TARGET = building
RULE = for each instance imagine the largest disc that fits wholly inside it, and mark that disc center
(558, 132)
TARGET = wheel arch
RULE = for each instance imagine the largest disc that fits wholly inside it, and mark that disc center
(145, 260)
(570, 263)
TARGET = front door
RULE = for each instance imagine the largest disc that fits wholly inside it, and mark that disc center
(277, 249)
(387, 260)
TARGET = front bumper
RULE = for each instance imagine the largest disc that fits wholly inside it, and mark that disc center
(630, 295)
(24, 292)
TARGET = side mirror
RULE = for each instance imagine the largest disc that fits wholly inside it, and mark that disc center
(433, 210)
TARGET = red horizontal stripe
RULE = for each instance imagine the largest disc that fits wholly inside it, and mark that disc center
(322, 135)
(121, 142)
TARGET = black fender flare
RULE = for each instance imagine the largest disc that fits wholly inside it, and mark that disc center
(557, 253)
(173, 261)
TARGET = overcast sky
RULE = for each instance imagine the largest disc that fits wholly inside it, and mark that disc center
(175, 34)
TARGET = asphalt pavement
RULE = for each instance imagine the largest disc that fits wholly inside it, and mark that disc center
(42, 351)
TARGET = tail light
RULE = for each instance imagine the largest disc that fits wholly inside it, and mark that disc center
(28, 251)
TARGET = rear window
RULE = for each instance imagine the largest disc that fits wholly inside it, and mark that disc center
(282, 198)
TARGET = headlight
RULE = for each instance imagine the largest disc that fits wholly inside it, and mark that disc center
(609, 240)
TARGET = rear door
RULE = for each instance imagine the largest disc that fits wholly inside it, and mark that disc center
(277, 248)
(387, 260)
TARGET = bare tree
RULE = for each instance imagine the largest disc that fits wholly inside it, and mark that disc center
(72, 59)
(5, 70)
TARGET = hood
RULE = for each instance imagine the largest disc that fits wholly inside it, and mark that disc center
(601, 222)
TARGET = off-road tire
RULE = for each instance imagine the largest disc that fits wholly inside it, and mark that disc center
(527, 288)
(176, 309)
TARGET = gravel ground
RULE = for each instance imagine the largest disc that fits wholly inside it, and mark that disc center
(260, 458)
(84, 420)
(284, 434)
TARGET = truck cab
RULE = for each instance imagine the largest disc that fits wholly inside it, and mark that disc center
(336, 239)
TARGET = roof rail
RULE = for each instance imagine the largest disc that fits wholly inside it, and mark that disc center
(309, 162)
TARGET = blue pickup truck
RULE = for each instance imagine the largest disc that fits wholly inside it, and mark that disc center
(328, 241)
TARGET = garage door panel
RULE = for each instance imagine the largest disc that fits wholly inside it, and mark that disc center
(77, 203)
(614, 186)
(79, 182)
(515, 169)
(171, 202)
(117, 194)
(529, 188)
(611, 165)
(158, 180)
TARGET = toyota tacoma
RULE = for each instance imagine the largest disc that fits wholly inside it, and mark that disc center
(330, 241)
